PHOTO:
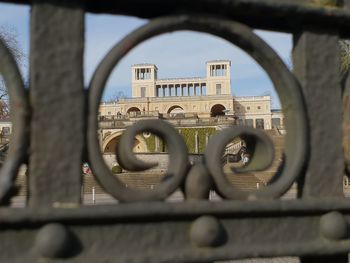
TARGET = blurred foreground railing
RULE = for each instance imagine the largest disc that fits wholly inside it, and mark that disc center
(55, 131)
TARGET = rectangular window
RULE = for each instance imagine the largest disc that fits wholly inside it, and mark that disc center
(143, 92)
(248, 108)
(249, 122)
(218, 89)
(276, 122)
(259, 123)
(6, 130)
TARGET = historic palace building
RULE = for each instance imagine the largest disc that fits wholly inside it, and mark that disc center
(203, 98)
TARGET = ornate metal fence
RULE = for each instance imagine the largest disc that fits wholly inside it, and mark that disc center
(55, 131)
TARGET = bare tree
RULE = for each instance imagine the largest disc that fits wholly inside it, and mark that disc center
(10, 38)
(116, 96)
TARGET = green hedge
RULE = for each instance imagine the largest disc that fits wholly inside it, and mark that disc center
(116, 169)
(151, 143)
(188, 135)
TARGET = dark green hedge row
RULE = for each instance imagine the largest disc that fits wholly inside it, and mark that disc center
(188, 135)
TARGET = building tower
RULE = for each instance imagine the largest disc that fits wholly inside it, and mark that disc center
(143, 80)
(219, 77)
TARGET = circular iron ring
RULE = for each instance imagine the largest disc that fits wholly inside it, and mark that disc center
(243, 37)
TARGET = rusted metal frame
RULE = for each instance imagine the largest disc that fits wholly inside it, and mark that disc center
(163, 225)
(167, 232)
(271, 15)
(346, 113)
(136, 212)
(346, 123)
(285, 84)
(346, 4)
(316, 64)
(57, 102)
(262, 14)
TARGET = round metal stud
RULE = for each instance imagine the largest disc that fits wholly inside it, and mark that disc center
(207, 231)
(53, 241)
(333, 226)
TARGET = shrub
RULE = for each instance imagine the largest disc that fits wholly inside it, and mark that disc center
(116, 169)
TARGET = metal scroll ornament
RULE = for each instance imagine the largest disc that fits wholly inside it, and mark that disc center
(19, 116)
(283, 80)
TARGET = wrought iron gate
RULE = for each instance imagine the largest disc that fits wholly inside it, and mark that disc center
(55, 130)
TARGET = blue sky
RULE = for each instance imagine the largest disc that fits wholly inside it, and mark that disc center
(179, 54)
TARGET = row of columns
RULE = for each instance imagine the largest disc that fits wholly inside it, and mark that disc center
(179, 90)
(218, 70)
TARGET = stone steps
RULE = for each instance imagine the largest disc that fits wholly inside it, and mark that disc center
(278, 140)
(245, 182)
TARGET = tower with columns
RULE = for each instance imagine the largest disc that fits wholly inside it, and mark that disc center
(143, 79)
(219, 77)
(217, 82)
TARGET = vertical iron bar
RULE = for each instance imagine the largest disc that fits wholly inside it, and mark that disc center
(346, 3)
(57, 101)
(346, 111)
(316, 64)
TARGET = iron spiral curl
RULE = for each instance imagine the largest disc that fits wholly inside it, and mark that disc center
(285, 84)
(19, 116)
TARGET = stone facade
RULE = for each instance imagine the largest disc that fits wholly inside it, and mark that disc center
(204, 98)
(5, 126)
(5, 130)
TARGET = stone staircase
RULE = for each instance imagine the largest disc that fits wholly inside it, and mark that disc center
(253, 180)
(278, 141)
(133, 180)
(245, 181)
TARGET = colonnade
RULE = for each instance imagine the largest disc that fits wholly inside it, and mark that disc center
(180, 90)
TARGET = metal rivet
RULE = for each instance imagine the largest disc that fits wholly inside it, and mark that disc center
(53, 241)
(207, 231)
(333, 226)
